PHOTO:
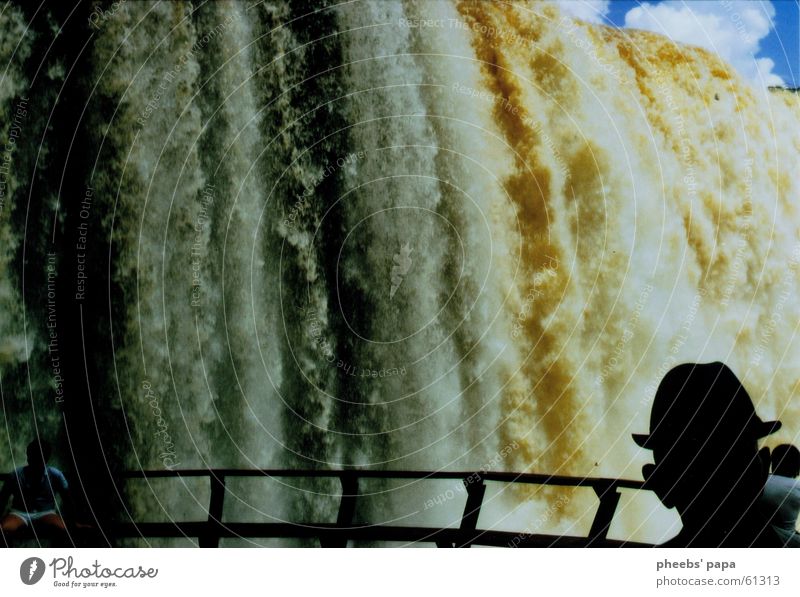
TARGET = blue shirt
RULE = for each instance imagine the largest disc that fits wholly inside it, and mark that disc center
(35, 495)
(782, 499)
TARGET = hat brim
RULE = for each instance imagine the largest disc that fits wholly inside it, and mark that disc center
(766, 428)
(762, 429)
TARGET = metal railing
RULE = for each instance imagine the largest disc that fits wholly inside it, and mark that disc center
(210, 531)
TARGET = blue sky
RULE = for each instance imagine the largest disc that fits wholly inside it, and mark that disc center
(760, 38)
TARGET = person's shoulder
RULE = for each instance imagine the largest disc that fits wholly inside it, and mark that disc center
(53, 471)
(783, 482)
(58, 477)
(776, 483)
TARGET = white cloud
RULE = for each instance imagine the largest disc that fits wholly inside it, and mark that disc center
(591, 11)
(731, 29)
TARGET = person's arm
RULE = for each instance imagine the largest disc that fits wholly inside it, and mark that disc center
(62, 488)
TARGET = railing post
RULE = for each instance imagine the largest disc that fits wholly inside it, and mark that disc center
(347, 509)
(215, 507)
(609, 498)
(472, 509)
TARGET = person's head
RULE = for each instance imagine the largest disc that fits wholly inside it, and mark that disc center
(38, 452)
(703, 434)
(785, 461)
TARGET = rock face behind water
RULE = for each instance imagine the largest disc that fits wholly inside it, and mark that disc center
(406, 235)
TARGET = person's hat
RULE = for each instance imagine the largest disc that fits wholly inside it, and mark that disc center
(696, 400)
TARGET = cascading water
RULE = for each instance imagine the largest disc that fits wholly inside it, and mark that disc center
(393, 234)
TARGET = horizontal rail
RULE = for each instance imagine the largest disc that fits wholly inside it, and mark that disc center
(530, 478)
(210, 531)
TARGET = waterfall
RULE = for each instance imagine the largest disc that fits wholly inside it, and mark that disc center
(398, 234)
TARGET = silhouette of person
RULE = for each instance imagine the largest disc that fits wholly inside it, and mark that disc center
(781, 497)
(703, 434)
(33, 489)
